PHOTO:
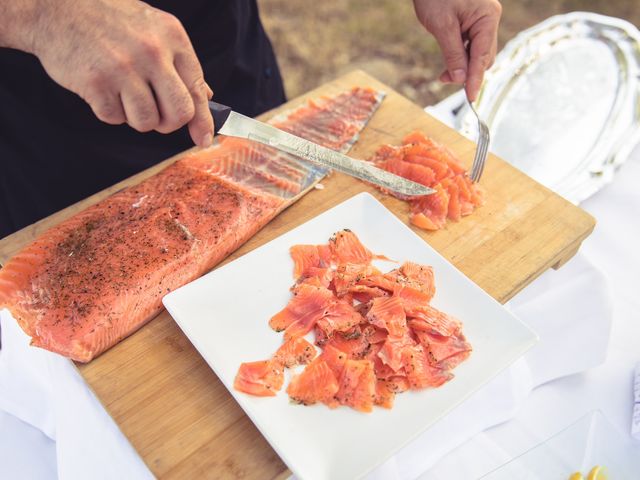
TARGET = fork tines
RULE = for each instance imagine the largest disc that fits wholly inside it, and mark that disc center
(482, 149)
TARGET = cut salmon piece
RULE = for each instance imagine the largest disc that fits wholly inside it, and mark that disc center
(411, 297)
(454, 211)
(321, 337)
(422, 274)
(414, 171)
(348, 274)
(422, 221)
(420, 372)
(414, 284)
(365, 294)
(429, 319)
(435, 206)
(357, 386)
(398, 384)
(429, 148)
(296, 351)
(414, 138)
(335, 359)
(388, 313)
(309, 258)
(318, 276)
(384, 371)
(347, 248)
(386, 152)
(374, 334)
(353, 343)
(341, 316)
(439, 169)
(384, 394)
(263, 378)
(387, 281)
(309, 304)
(391, 354)
(441, 348)
(477, 194)
(316, 383)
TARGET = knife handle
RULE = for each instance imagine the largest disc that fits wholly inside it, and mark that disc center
(220, 113)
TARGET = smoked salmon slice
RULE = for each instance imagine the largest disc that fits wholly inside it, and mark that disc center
(297, 351)
(346, 248)
(423, 160)
(263, 378)
(309, 304)
(316, 383)
(378, 333)
(357, 386)
(97, 277)
(306, 258)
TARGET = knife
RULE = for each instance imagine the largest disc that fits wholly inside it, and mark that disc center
(233, 124)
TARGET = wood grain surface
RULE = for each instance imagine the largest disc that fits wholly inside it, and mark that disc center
(170, 404)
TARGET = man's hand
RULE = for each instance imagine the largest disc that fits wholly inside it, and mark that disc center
(467, 32)
(129, 61)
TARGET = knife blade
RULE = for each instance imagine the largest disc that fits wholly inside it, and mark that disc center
(234, 124)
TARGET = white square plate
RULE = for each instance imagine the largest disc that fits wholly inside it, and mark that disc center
(225, 314)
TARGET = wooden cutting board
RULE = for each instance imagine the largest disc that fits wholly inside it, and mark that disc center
(170, 404)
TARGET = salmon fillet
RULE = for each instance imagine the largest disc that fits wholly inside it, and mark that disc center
(90, 281)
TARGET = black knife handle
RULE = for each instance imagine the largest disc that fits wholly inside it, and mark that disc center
(220, 113)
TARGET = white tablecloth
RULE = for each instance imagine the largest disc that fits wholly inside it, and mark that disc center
(571, 309)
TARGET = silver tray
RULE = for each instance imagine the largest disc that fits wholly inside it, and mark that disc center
(563, 101)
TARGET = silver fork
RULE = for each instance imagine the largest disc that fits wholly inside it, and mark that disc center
(482, 149)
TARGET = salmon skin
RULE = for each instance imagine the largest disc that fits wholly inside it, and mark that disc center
(378, 332)
(95, 278)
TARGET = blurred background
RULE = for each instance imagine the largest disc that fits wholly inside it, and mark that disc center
(318, 40)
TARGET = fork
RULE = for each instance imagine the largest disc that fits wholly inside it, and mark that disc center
(482, 148)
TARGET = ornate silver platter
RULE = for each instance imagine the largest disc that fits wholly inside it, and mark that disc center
(563, 101)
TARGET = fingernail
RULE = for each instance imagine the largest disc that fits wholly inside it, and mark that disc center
(458, 76)
(207, 140)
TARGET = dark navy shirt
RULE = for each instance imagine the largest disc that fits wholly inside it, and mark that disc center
(54, 151)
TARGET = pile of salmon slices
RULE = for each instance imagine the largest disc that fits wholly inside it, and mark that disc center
(422, 160)
(377, 333)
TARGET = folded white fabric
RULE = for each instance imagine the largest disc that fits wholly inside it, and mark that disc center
(635, 418)
(25, 452)
(45, 390)
(25, 380)
(571, 310)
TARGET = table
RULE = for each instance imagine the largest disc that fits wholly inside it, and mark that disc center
(170, 405)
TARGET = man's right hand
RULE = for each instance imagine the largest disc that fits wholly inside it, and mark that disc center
(130, 62)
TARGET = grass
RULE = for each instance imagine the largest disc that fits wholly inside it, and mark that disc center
(317, 41)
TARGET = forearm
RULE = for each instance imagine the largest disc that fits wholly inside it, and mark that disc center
(19, 22)
(129, 61)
